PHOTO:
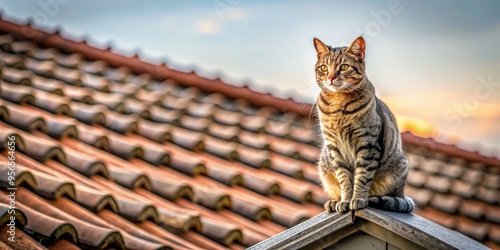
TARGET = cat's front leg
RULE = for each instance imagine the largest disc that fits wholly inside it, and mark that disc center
(366, 165)
(340, 181)
(344, 176)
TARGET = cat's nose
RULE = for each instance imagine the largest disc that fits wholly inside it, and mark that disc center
(333, 77)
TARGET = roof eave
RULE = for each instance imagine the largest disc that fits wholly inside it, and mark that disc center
(399, 229)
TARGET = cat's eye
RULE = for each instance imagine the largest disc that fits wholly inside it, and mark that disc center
(344, 67)
(323, 68)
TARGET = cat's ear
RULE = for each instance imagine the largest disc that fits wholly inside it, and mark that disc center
(358, 47)
(320, 47)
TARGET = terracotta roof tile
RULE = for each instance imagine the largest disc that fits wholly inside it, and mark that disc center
(69, 61)
(431, 166)
(255, 157)
(121, 123)
(253, 123)
(139, 238)
(92, 137)
(253, 140)
(48, 85)
(154, 131)
(199, 240)
(117, 74)
(70, 76)
(227, 117)
(491, 181)
(24, 119)
(12, 60)
(47, 229)
(80, 95)
(452, 170)
(446, 203)
(438, 183)
(63, 244)
(17, 93)
(172, 216)
(23, 47)
(188, 139)
(95, 200)
(135, 155)
(463, 189)
(220, 148)
(305, 135)
(163, 115)
(93, 67)
(130, 241)
(113, 101)
(84, 164)
(284, 147)
(147, 96)
(18, 76)
(89, 114)
(23, 240)
(494, 234)
(24, 177)
(421, 196)
(40, 148)
(472, 176)
(45, 54)
(134, 106)
(417, 178)
(126, 149)
(43, 68)
(286, 166)
(128, 179)
(96, 82)
(488, 195)
(228, 133)
(493, 214)
(129, 206)
(309, 153)
(200, 109)
(473, 229)
(89, 234)
(217, 227)
(55, 126)
(472, 209)
(6, 42)
(51, 187)
(51, 102)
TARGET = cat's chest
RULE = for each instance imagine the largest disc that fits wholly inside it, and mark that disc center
(340, 138)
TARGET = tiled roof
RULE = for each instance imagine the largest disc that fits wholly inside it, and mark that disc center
(116, 152)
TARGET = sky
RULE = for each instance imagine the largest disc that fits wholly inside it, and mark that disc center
(437, 61)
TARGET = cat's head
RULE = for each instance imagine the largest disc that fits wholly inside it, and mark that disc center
(340, 69)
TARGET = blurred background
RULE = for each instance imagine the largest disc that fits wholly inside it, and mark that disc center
(435, 63)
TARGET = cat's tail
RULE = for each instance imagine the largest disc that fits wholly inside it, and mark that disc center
(394, 204)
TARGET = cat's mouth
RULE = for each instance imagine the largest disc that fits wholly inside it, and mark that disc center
(336, 86)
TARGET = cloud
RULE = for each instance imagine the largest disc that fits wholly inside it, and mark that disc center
(235, 14)
(208, 26)
(212, 24)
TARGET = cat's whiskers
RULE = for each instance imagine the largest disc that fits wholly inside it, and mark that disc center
(312, 94)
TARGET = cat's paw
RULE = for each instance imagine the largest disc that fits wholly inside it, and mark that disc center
(330, 206)
(358, 203)
(342, 206)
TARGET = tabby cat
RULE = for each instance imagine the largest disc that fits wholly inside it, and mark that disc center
(362, 161)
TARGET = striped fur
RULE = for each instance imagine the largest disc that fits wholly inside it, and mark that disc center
(362, 162)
